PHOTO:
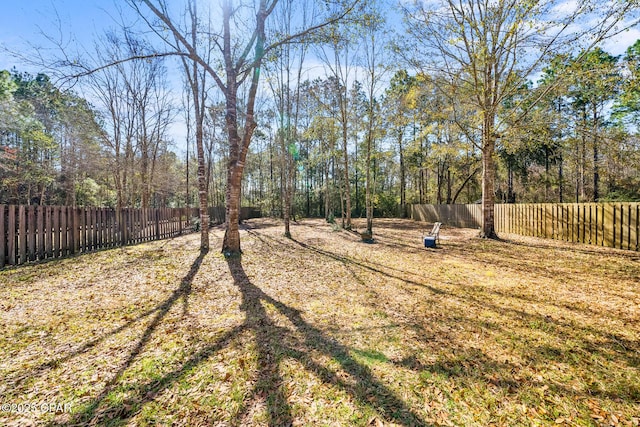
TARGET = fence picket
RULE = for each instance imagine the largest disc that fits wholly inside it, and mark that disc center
(614, 229)
(591, 241)
(3, 239)
(40, 232)
(22, 234)
(56, 231)
(32, 231)
(11, 236)
(621, 226)
(629, 222)
(638, 227)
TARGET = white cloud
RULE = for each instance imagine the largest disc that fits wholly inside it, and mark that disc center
(618, 44)
(565, 8)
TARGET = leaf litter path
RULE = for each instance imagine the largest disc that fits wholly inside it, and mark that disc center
(324, 329)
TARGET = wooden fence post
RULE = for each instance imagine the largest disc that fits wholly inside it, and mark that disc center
(629, 219)
(22, 234)
(121, 226)
(40, 227)
(638, 227)
(11, 235)
(32, 230)
(3, 237)
(157, 215)
(614, 227)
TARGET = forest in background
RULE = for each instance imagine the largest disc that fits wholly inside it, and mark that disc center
(322, 139)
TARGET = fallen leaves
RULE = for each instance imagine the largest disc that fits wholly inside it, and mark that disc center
(328, 331)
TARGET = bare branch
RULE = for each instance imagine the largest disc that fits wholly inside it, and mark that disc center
(192, 53)
(89, 71)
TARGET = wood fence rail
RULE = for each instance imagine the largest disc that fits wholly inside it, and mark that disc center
(615, 225)
(32, 233)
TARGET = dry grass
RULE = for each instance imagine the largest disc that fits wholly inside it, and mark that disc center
(327, 330)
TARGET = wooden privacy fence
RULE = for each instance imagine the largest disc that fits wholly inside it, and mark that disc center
(615, 225)
(31, 233)
(465, 216)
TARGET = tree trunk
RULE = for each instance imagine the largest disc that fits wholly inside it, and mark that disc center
(583, 165)
(403, 183)
(511, 195)
(327, 202)
(457, 193)
(197, 83)
(355, 180)
(202, 184)
(288, 193)
(238, 145)
(144, 174)
(368, 201)
(231, 242)
(488, 178)
(449, 185)
(561, 179)
(577, 173)
(439, 182)
(547, 181)
(596, 170)
(347, 187)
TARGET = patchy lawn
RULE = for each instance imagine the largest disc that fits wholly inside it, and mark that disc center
(325, 330)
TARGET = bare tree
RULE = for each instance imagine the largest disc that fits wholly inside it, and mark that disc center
(109, 87)
(136, 111)
(373, 34)
(286, 71)
(338, 56)
(197, 82)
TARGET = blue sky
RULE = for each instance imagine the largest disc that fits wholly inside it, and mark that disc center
(71, 21)
(74, 23)
(80, 21)
(77, 23)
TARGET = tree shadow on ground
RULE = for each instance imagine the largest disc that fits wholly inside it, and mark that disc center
(349, 262)
(576, 247)
(273, 343)
(264, 223)
(303, 341)
(183, 293)
(365, 388)
(16, 379)
(370, 266)
(600, 343)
